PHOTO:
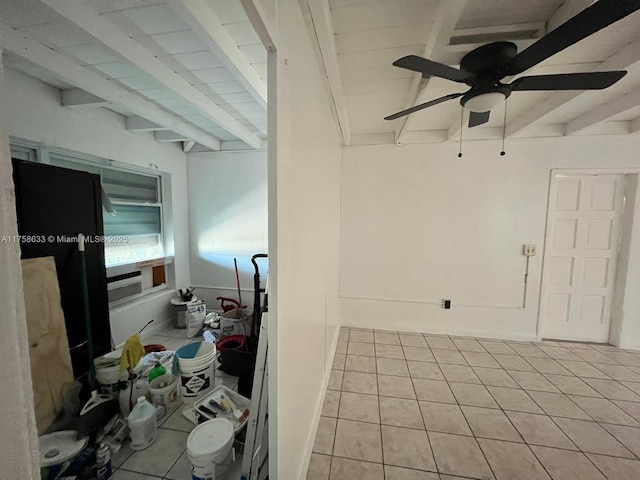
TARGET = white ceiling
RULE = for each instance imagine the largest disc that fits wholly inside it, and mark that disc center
(358, 40)
(195, 70)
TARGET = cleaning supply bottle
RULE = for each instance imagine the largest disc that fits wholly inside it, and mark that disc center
(142, 423)
(156, 371)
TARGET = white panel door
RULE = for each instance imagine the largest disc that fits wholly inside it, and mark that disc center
(581, 246)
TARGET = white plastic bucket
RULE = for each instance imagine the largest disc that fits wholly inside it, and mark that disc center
(209, 448)
(197, 374)
(167, 395)
(109, 377)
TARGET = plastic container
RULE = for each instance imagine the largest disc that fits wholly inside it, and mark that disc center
(164, 390)
(209, 448)
(242, 403)
(197, 373)
(156, 372)
(142, 424)
(108, 374)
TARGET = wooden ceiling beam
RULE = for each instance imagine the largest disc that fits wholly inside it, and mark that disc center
(94, 83)
(444, 23)
(201, 18)
(86, 18)
(321, 22)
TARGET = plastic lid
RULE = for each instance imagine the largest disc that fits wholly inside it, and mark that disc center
(210, 436)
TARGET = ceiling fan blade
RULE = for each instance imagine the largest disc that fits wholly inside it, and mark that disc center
(568, 81)
(595, 17)
(429, 68)
(478, 118)
(423, 105)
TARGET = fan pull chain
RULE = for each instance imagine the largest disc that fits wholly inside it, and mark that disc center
(504, 127)
(461, 125)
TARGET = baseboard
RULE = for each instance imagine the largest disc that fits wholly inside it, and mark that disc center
(318, 410)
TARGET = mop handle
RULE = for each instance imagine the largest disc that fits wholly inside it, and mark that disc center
(87, 314)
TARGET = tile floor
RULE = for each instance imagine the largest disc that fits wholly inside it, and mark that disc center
(405, 406)
(167, 457)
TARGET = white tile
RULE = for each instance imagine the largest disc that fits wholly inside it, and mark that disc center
(566, 465)
(616, 468)
(472, 395)
(444, 418)
(358, 441)
(540, 430)
(393, 386)
(490, 423)
(512, 460)
(433, 390)
(347, 469)
(405, 447)
(158, 459)
(359, 407)
(319, 467)
(400, 412)
(591, 437)
(458, 455)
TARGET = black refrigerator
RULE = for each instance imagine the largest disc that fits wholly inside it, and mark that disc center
(56, 204)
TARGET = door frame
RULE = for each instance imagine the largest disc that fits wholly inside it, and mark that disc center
(615, 324)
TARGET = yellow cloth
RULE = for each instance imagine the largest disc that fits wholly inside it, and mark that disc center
(132, 352)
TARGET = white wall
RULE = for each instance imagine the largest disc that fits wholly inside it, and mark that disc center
(306, 180)
(31, 110)
(227, 220)
(420, 224)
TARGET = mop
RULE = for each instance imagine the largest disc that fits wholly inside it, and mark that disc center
(99, 408)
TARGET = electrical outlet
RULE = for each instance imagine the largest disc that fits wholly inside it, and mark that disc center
(529, 250)
(446, 304)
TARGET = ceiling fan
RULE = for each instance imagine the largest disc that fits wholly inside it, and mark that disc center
(484, 68)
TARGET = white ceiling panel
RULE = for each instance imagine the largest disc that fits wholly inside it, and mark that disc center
(140, 82)
(228, 11)
(161, 93)
(173, 43)
(246, 107)
(629, 115)
(487, 13)
(368, 86)
(237, 97)
(23, 13)
(363, 41)
(261, 69)
(91, 53)
(375, 15)
(377, 58)
(374, 73)
(209, 75)
(226, 87)
(59, 34)
(242, 33)
(191, 61)
(118, 69)
(364, 100)
(254, 53)
(113, 5)
(147, 20)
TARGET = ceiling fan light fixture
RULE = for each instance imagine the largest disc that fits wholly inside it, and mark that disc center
(485, 102)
